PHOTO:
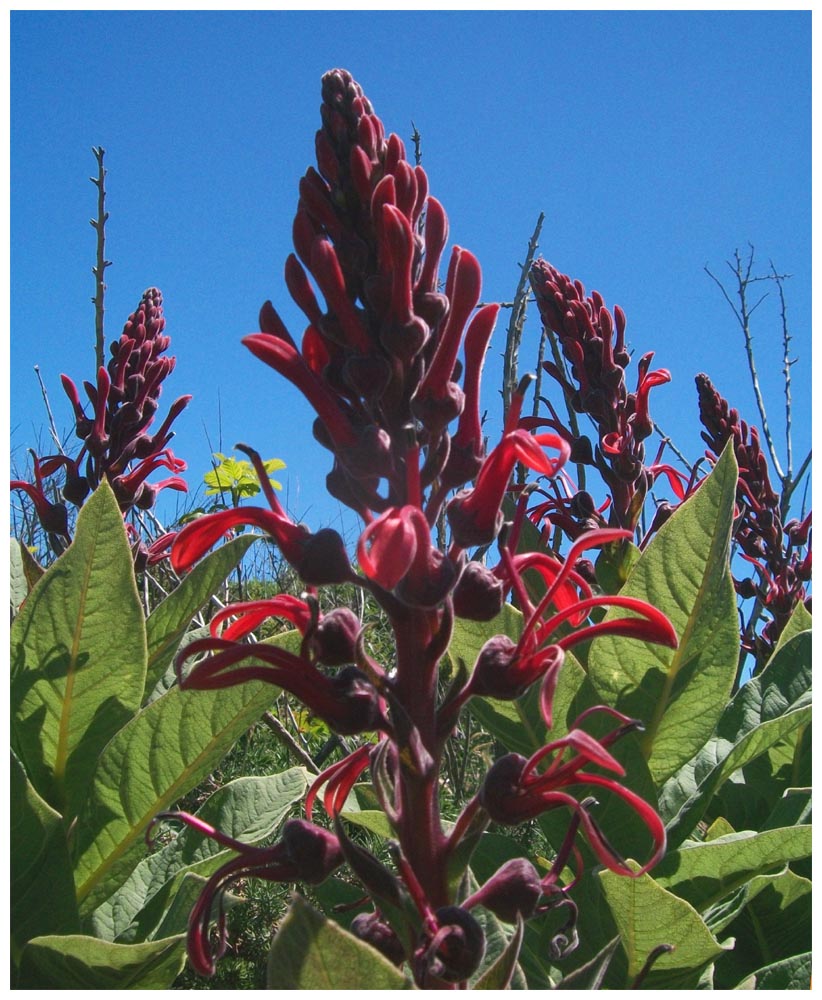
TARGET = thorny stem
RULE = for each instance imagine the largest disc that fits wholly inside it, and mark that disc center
(786, 371)
(517, 322)
(416, 138)
(98, 270)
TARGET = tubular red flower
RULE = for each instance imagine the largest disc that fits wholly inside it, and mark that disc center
(347, 702)
(339, 779)
(284, 358)
(198, 537)
(248, 615)
(388, 545)
(474, 514)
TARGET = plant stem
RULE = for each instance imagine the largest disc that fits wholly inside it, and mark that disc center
(517, 322)
(98, 270)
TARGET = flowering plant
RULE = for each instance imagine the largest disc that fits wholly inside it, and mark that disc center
(605, 842)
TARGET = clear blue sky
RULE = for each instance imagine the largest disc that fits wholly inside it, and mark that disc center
(654, 143)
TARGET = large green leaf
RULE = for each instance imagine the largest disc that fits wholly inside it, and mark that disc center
(767, 709)
(76, 962)
(248, 809)
(42, 887)
(703, 873)
(164, 751)
(78, 657)
(774, 925)
(648, 916)
(800, 621)
(684, 572)
(168, 623)
(310, 952)
(788, 974)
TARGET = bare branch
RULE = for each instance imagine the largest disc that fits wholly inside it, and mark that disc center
(517, 322)
(52, 427)
(742, 272)
(288, 741)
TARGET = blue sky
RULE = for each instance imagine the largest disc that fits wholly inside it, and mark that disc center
(654, 143)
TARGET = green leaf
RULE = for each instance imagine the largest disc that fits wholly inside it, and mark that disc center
(498, 975)
(765, 710)
(168, 623)
(800, 621)
(703, 873)
(164, 751)
(774, 925)
(685, 573)
(42, 887)
(78, 657)
(792, 973)
(647, 916)
(76, 962)
(590, 976)
(614, 564)
(370, 819)
(310, 952)
(248, 809)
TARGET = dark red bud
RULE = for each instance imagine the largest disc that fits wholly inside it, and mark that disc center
(315, 851)
(515, 890)
(369, 928)
(323, 559)
(479, 595)
(336, 637)
(500, 789)
(460, 945)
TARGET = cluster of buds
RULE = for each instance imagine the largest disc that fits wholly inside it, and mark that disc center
(116, 442)
(593, 346)
(781, 553)
(398, 409)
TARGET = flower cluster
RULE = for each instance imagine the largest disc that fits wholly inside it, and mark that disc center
(773, 548)
(391, 365)
(593, 346)
(116, 442)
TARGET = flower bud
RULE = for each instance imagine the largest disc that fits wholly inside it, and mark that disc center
(369, 928)
(315, 851)
(358, 704)
(323, 559)
(336, 637)
(460, 945)
(479, 595)
(500, 789)
(514, 890)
